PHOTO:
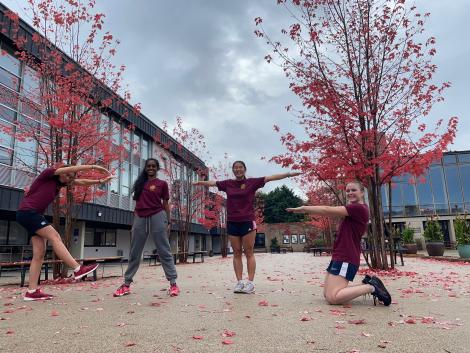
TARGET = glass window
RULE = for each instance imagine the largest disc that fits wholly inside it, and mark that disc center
(104, 124)
(31, 85)
(25, 153)
(6, 134)
(8, 98)
(409, 193)
(424, 191)
(3, 231)
(453, 185)
(145, 149)
(135, 174)
(437, 184)
(7, 113)
(18, 235)
(89, 234)
(9, 80)
(5, 156)
(449, 159)
(397, 199)
(110, 237)
(114, 185)
(116, 133)
(125, 179)
(465, 174)
(464, 158)
(9, 62)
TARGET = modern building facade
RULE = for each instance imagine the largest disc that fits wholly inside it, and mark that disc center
(103, 227)
(443, 191)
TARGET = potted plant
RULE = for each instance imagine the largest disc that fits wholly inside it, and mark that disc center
(434, 238)
(462, 235)
(275, 247)
(409, 243)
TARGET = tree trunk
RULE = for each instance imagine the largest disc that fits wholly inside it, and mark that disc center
(377, 239)
(390, 227)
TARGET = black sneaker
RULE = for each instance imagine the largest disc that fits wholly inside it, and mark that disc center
(380, 292)
(366, 279)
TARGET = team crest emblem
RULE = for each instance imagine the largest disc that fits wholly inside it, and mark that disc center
(152, 187)
(242, 186)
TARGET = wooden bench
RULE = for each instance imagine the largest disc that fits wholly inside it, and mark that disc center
(195, 253)
(320, 249)
(23, 266)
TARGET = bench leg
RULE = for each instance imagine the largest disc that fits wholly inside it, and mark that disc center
(194, 258)
(401, 258)
(174, 258)
(23, 275)
(95, 277)
(202, 257)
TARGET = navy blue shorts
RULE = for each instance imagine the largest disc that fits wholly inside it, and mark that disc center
(240, 229)
(31, 220)
(342, 269)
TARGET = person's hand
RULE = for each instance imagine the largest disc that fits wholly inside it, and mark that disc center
(294, 174)
(296, 209)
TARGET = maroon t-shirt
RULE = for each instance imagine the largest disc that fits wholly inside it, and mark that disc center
(240, 197)
(42, 192)
(347, 246)
(150, 200)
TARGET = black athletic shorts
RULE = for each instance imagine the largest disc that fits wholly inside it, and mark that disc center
(31, 220)
(240, 229)
(343, 269)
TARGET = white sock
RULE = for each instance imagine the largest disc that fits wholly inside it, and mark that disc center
(248, 281)
(75, 270)
(31, 291)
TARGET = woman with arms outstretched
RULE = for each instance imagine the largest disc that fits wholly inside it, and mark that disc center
(241, 225)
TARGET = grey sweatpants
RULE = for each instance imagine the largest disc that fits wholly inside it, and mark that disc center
(156, 225)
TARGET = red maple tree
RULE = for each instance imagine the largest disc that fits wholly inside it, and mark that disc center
(364, 73)
(68, 91)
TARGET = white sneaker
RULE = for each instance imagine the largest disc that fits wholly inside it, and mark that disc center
(248, 288)
(239, 287)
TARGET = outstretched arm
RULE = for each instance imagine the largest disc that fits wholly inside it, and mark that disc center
(281, 176)
(207, 183)
(80, 168)
(335, 211)
(88, 182)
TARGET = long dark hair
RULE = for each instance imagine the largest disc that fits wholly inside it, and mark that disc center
(142, 179)
(240, 162)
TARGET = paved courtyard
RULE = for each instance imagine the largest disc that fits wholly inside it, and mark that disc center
(430, 312)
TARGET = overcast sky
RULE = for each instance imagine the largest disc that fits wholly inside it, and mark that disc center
(200, 60)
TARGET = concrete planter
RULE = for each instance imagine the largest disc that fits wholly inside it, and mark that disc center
(411, 248)
(435, 248)
(464, 251)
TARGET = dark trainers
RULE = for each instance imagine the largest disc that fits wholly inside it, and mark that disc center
(366, 279)
(37, 295)
(124, 289)
(380, 292)
(84, 270)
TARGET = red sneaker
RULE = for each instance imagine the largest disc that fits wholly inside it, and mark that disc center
(84, 270)
(124, 289)
(174, 290)
(37, 295)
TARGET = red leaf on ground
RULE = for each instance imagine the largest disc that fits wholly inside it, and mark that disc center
(263, 303)
(228, 333)
(157, 304)
(305, 318)
(10, 331)
(410, 321)
(365, 334)
(198, 337)
(427, 320)
(54, 313)
(129, 344)
(227, 342)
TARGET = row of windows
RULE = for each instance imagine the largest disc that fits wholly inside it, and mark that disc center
(443, 189)
(100, 237)
(11, 233)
